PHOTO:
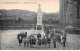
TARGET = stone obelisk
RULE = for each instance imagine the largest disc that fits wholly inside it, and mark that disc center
(39, 25)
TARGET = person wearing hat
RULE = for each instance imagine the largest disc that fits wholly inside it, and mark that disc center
(39, 36)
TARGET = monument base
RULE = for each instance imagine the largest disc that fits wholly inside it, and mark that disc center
(39, 29)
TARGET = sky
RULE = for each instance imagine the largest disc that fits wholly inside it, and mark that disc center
(48, 6)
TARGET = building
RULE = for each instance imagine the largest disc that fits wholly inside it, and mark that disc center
(69, 12)
(7, 23)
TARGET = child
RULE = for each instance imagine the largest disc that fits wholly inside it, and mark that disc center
(34, 41)
(39, 42)
(24, 41)
(44, 41)
(54, 41)
(28, 41)
(48, 41)
(31, 42)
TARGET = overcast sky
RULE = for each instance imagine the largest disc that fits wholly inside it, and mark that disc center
(32, 5)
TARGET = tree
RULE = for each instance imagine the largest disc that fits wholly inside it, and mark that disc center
(35, 20)
(20, 19)
(50, 20)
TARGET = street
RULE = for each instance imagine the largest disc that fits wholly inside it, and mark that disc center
(9, 41)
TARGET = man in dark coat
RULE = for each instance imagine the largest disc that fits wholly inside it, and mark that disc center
(22, 34)
(52, 35)
(59, 38)
(19, 37)
(64, 40)
(26, 34)
(54, 41)
(39, 36)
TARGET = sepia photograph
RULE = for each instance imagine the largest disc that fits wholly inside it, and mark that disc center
(39, 24)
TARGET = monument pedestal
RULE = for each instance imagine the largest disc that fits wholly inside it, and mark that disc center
(39, 26)
(39, 29)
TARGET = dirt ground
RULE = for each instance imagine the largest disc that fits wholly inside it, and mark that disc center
(9, 42)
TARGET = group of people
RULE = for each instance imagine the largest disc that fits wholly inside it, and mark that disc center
(41, 40)
(21, 36)
(61, 38)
